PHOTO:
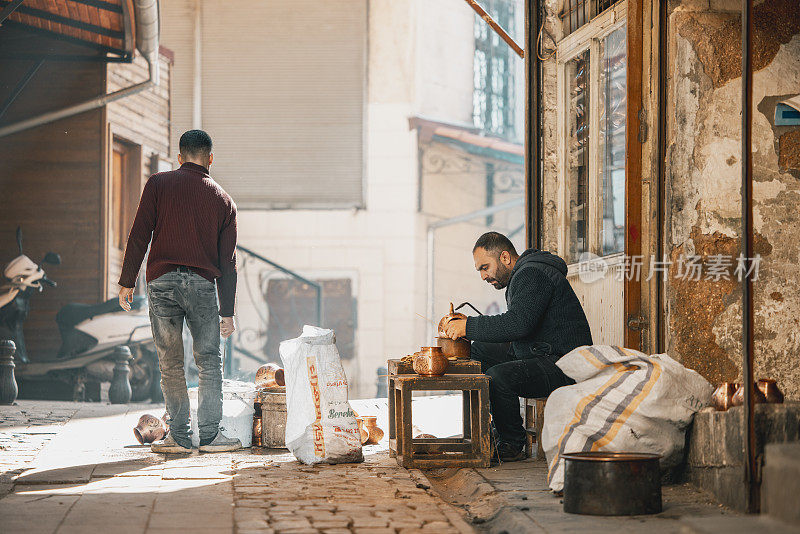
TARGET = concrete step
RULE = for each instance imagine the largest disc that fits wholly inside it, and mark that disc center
(780, 486)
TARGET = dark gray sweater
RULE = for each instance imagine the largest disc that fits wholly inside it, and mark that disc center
(542, 310)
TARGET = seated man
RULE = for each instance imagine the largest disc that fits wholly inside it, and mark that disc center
(519, 349)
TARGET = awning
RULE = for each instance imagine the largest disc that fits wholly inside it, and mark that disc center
(102, 25)
(468, 139)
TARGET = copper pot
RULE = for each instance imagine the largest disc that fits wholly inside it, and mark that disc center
(371, 425)
(149, 429)
(770, 389)
(452, 315)
(738, 397)
(723, 396)
(270, 375)
(454, 349)
(430, 361)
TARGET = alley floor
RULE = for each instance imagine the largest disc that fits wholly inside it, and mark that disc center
(77, 468)
(68, 467)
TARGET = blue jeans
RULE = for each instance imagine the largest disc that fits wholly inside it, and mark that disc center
(174, 297)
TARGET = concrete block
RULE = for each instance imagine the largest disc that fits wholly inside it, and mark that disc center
(715, 452)
(780, 487)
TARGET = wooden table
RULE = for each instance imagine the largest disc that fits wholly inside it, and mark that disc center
(471, 450)
(399, 367)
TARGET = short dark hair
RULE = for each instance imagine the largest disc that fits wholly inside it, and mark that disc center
(495, 242)
(195, 143)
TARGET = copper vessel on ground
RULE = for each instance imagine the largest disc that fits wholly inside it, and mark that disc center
(258, 432)
(738, 397)
(149, 429)
(363, 432)
(270, 375)
(430, 361)
(722, 399)
(370, 424)
(770, 389)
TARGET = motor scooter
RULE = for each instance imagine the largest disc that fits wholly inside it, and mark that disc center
(89, 335)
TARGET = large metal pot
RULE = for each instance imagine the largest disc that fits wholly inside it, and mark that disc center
(611, 483)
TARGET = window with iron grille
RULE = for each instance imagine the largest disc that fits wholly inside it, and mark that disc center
(576, 13)
(493, 97)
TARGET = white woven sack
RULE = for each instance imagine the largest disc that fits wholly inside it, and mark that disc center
(321, 426)
(623, 401)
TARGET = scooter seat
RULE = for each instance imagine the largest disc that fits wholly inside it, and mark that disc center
(75, 313)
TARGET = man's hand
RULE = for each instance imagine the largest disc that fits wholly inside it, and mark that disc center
(226, 327)
(455, 328)
(125, 298)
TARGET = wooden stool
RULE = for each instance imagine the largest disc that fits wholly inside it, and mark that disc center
(534, 421)
(473, 450)
(399, 367)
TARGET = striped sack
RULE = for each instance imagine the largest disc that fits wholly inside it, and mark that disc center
(623, 401)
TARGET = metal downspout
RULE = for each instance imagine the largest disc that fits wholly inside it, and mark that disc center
(751, 474)
(147, 31)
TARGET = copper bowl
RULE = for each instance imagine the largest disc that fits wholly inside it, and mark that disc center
(270, 375)
(770, 389)
(454, 349)
(430, 361)
(149, 429)
(738, 397)
(722, 398)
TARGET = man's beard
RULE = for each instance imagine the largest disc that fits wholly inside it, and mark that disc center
(503, 276)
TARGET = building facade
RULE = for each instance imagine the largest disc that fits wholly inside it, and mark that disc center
(343, 129)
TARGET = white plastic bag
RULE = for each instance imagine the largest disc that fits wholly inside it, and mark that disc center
(237, 411)
(320, 424)
(623, 401)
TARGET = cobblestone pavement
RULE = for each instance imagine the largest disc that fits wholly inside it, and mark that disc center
(92, 476)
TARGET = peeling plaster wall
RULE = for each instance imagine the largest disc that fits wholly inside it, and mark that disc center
(703, 203)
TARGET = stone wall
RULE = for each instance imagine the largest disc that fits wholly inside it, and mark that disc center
(703, 178)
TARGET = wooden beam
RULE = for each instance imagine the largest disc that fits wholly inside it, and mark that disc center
(632, 294)
(496, 27)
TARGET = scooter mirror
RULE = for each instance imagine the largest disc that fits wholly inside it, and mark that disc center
(52, 258)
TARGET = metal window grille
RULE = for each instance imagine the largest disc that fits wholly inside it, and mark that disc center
(493, 97)
(576, 13)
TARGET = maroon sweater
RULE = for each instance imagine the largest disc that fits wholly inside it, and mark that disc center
(192, 221)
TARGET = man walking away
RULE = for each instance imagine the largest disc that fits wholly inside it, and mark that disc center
(192, 222)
